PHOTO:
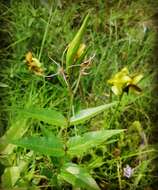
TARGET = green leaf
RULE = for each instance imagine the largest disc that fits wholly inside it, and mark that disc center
(45, 114)
(78, 145)
(78, 177)
(51, 146)
(75, 43)
(16, 130)
(10, 177)
(86, 114)
(12, 174)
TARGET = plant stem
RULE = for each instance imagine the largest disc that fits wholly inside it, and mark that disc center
(118, 174)
(78, 81)
(71, 99)
(114, 114)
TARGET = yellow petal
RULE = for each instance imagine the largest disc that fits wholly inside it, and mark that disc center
(28, 57)
(36, 62)
(121, 80)
(137, 78)
(123, 72)
(124, 79)
(116, 90)
(120, 77)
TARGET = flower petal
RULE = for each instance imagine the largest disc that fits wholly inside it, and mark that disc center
(137, 78)
(116, 90)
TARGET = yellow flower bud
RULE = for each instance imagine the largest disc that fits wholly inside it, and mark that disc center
(80, 50)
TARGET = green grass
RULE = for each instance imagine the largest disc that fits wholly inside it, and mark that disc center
(120, 34)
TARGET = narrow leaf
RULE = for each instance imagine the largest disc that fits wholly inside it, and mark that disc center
(78, 145)
(75, 43)
(45, 114)
(51, 146)
(86, 114)
(78, 177)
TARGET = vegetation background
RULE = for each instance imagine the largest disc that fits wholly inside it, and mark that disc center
(121, 34)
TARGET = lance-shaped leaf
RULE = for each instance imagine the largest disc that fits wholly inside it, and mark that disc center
(45, 114)
(86, 114)
(78, 177)
(75, 43)
(80, 144)
(50, 146)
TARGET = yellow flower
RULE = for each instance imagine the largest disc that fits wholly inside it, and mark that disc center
(123, 82)
(34, 64)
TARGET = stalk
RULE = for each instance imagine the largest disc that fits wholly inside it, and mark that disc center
(116, 110)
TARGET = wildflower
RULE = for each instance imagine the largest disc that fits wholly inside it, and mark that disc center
(34, 64)
(122, 82)
(128, 171)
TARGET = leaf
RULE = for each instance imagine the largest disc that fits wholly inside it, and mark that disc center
(16, 130)
(86, 114)
(51, 146)
(75, 43)
(45, 114)
(10, 176)
(78, 177)
(78, 145)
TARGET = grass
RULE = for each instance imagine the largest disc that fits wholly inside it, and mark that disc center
(118, 39)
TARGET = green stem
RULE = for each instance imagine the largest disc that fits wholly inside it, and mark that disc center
(78, 81)
(114, 114)
(118, 174)
(70, 110)
(71, 99)
(62, 62)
